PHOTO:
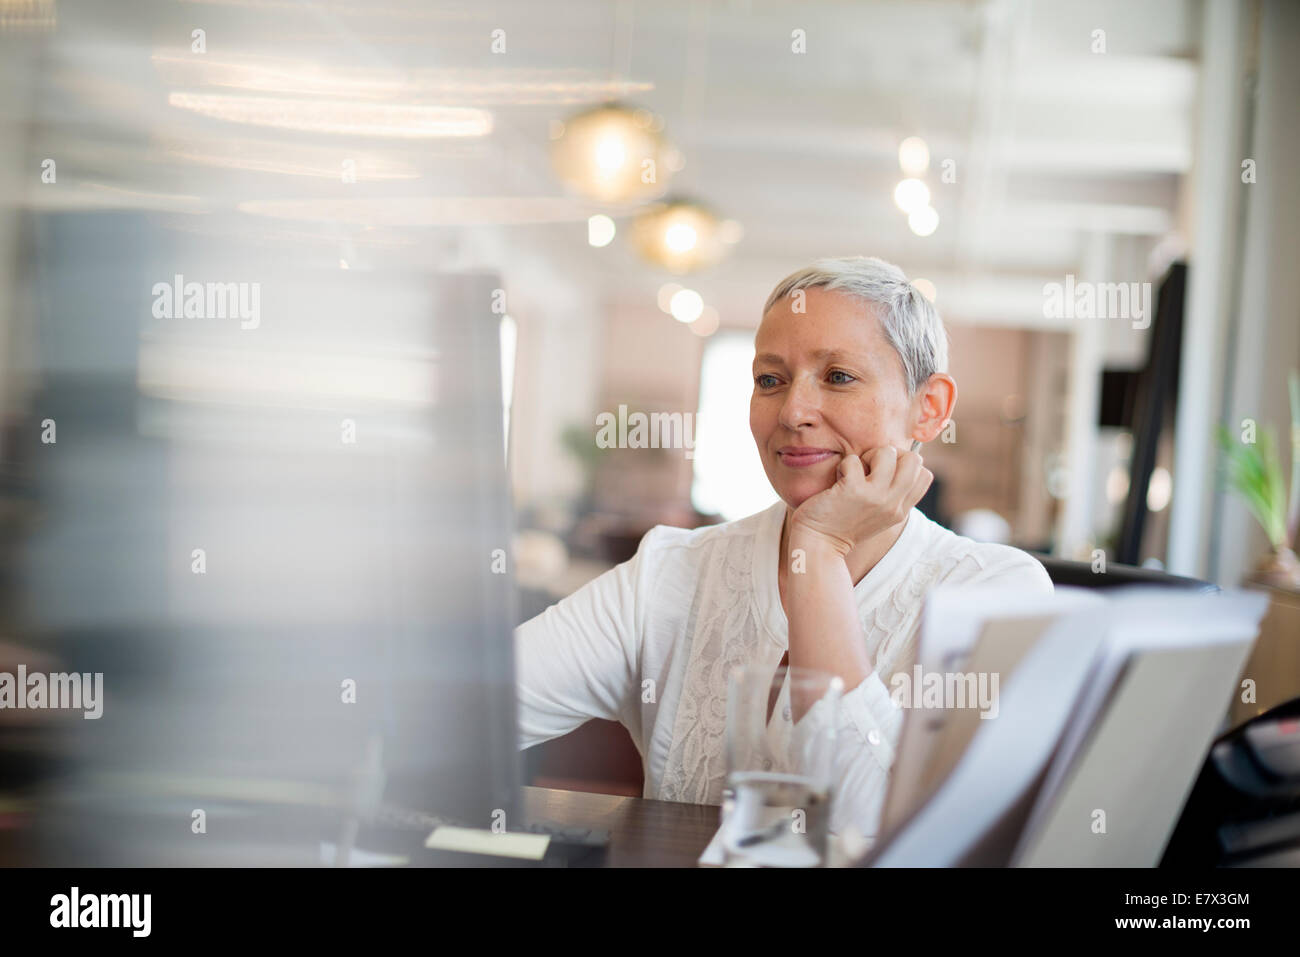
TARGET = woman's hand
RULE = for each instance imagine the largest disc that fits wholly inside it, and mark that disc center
(864, 501)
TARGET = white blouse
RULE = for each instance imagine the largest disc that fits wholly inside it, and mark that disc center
(650, 644)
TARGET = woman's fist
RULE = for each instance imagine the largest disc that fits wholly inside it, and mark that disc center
(872, 492)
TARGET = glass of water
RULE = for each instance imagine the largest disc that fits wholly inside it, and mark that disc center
(780, 766)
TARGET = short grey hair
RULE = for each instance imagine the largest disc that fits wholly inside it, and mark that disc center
(909, 320)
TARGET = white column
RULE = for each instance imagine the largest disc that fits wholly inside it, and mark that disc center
(1268, 315)
(1215, 183)
(1074, 535)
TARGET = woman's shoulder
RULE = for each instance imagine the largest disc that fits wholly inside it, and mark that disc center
(673, 563)
(665, 541)
(967, 560)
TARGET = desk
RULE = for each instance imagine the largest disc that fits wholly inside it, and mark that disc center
(642, 832)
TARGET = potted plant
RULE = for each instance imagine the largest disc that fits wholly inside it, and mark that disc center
(1254, 472)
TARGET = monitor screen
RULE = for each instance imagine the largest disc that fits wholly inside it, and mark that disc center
(276, 521)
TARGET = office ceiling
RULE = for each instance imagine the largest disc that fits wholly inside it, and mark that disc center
(1053, 144)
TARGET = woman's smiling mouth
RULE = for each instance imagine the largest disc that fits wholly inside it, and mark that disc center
(802, 456)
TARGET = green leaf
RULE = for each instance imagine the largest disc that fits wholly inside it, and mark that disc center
(1255, 474)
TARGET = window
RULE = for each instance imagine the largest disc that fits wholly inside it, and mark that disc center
(729, 477)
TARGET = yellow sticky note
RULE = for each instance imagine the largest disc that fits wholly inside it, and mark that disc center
(470, 840)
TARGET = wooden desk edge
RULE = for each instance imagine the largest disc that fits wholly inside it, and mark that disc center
(643, 832)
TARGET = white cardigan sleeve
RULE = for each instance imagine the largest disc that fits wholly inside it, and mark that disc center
(865, 735)
(577, 660)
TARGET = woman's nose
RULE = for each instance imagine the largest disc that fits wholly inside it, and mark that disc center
(800, 406)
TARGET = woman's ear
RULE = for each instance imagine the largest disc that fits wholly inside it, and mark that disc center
(933, 406)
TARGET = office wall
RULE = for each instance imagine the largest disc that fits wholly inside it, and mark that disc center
(650, 363)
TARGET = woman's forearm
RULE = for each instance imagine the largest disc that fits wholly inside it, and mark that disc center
(825, 633)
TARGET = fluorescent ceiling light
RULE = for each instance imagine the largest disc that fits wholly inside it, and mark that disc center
(397, 121)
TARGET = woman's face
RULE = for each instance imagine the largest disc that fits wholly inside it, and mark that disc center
(827, 383)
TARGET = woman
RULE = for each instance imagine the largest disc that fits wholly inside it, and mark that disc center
(849, 376)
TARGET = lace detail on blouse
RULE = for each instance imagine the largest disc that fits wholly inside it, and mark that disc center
(892, 626)
(724, 630)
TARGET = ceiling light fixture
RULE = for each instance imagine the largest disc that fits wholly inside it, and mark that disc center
(399, 121)
(680, 236)
(613, 154)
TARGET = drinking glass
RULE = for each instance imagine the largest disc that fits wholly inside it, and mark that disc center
(776, 802)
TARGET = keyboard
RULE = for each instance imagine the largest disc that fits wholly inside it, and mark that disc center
(390, 815)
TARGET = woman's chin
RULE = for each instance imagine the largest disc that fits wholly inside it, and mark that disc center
(795, 494)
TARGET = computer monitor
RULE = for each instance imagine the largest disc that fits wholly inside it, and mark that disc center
(283, 539)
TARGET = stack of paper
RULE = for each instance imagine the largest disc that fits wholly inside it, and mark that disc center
(1105, 709)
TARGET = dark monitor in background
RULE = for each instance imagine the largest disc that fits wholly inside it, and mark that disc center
(1118, 393)
(278, 523)
(1150, 410)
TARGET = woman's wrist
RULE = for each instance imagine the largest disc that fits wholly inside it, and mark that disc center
(813, 542)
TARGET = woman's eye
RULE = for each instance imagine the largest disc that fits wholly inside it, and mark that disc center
(765, 381)
(842, 381)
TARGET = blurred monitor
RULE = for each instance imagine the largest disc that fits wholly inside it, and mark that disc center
(278, 523)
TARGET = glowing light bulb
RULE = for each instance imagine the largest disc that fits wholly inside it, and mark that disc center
(913, 156)
(610, 154)
(687, 305)
(923, 221)
(680, 238)
(911, 194)
(600, 230)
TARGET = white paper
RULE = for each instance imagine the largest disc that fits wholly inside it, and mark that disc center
(1006, 755)
(953, 619)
